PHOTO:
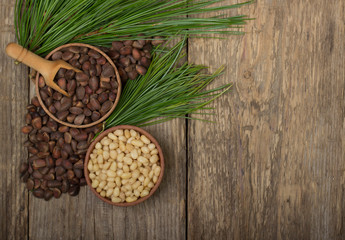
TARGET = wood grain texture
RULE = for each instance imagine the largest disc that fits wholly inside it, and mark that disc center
(13, 99)
(272, 166)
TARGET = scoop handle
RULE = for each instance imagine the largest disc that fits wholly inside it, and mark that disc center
(27, 57)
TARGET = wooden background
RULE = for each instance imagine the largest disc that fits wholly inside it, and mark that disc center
(271, 167)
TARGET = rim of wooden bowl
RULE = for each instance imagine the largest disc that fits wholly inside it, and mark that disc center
(99, 138)
(117, 95)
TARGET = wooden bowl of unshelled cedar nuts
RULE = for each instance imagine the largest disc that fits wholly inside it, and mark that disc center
(94, 92)
(124, 165)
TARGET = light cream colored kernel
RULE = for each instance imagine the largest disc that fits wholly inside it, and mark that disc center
(120, 157)
(99, 152)
(141, 188)
(92, 176)
(120, 165)
(93, 155)
(98, 145)
(123, 139)
(157, 171)
(122, 196)
(129, 140)
(146, 155)
(132, 180)
(116, 192)
(119, 172)
(127, 133)
(90, 166)
(154, 158)
(141, 178)
(112, 146)
(124, 181)
(98, 189)
(144, 139)
(136, 192)
(97, 172)
(151, 146)
(136, 184)
(143, 159)
(139, 164)
(106, 155)
(145, 149)
(109, 192)
(128, 193)
(102, 184)
(118, 181)
(123, 189)
(118, 132)
(129, 147)
(113, 166)
(102, 193)
(133, 166)
(103, 176)
(128, 187)
(150, 185)
(154, 179)
(131, 199)
(95, 183)
(106, 165)
(133, 133)
(154, 151)
(122, 146)
(116, 200)
(100, 159)
(111, 185)
(105, 148)
(118, 150)
(105, 141)
(134, 154)
(125, 168)
(144, 193)
(127, 160)
(151, 174)
(95, 167)
(126, 175)
(112, 136)
(137, 143)
(135, 174)
(145, 172)
(110, 179)
(146, 181)
(111, 173)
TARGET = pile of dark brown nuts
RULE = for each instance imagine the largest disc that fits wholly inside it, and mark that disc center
(93, 90)
(56, 152)
(132, 58)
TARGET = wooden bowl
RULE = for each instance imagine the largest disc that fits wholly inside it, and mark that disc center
(98, 139)
(117, 95)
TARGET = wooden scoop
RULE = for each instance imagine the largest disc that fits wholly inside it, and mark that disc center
(46, 68)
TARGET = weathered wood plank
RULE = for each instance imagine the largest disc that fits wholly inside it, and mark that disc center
(13, 99)
(272, 167)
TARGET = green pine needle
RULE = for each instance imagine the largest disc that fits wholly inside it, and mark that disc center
(43, 25)
(166, 91)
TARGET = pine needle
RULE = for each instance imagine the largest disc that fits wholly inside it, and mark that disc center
(43, 25)
(166, 91)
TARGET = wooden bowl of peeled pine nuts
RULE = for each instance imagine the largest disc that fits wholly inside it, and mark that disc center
(124, 165)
